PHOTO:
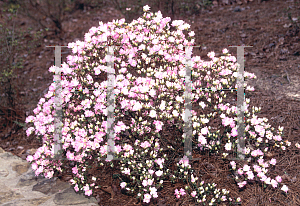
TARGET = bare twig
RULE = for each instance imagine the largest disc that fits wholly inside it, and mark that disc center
(7, 44)
(287, 76)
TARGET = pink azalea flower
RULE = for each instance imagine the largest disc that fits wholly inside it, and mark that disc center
(264, 178)
(265, 165)
(233, 164)
(274, 183)
(152, 190)
(127, 171)
(70, 155)
(127, 147)
(202, 140)
(260, 161)
(242, 184)
(277, 138)
(159, 173)
(159, 161)
(278, 179)
(145, 183)
(184, 161)
(147, 198)
(285, 188)
(88, 192)
(259, 129)
(150, 181)
(39, 170)
(123, 184)
(29, 158)
(204, 130)
(223, 198)
(155, 195)
(211, 55)
(250, 175)
(246, 168)
(75, 170)
(76, 188)
(182, 192)
(151, 172)
(228, 146)
(260, 174)
(268, 181)
(177, 193)
(234, 132)
(240, 171)
(145, 144)
(273, 161)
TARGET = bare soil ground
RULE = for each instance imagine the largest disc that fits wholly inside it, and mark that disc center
(274, 59)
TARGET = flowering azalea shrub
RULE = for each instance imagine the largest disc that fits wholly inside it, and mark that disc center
(150, 74)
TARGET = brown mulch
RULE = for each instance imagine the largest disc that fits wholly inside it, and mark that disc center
(274, 58)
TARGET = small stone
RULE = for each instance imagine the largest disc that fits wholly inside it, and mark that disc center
(271, 45)
(237, 9)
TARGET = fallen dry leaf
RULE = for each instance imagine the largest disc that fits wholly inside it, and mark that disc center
(115, 189)
(109, 190)
(22, 152)
(286, 177)
(270, 155)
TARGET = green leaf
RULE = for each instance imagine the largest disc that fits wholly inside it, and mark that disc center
(20, 124)
(115, 176)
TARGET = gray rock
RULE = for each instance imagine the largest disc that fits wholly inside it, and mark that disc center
(70, 197)
(28, 202)
(9, 195)
(29, 179)
(50, 186)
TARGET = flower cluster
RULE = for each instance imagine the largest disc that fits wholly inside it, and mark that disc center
(143, 169)
(259, 134)
(150, 75)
